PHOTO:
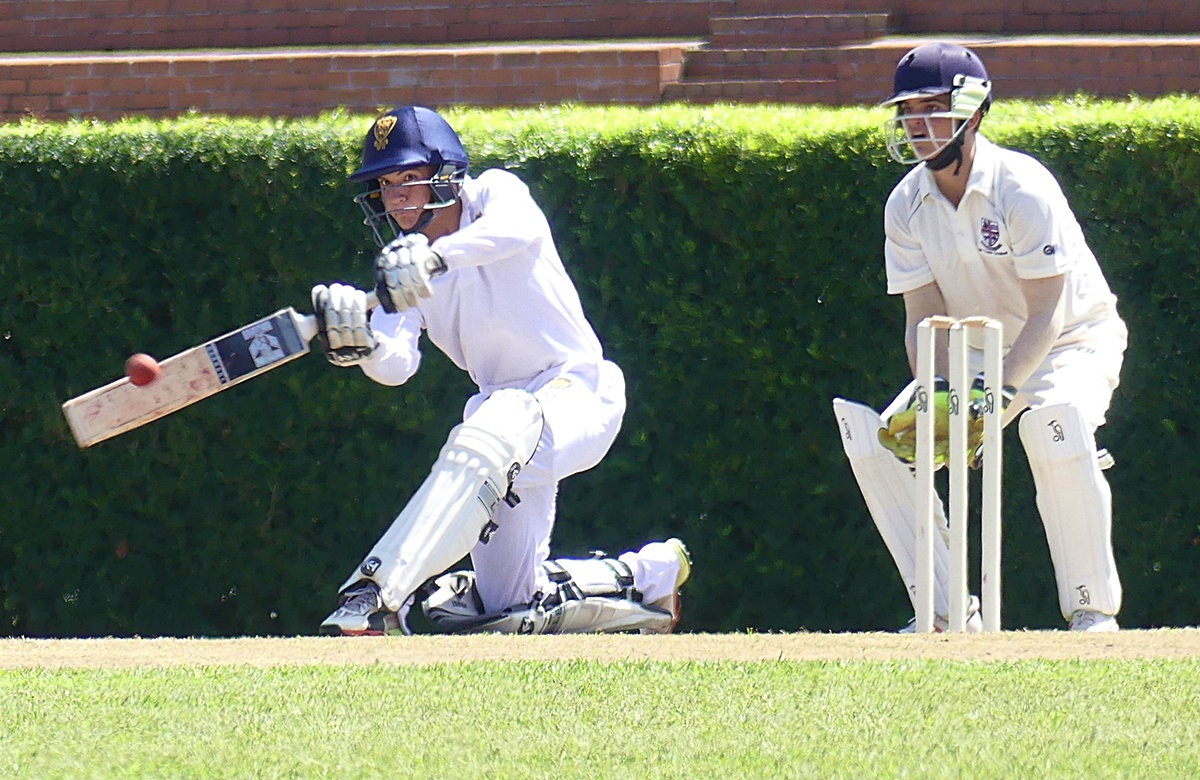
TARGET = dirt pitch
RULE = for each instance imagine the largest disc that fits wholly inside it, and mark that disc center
(290, 651)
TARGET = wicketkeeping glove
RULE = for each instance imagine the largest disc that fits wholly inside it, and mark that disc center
(342, 325)
(403, 270)
(900, 435)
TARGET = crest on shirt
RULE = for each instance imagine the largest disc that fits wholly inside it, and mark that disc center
(989, 231)
(989, 236)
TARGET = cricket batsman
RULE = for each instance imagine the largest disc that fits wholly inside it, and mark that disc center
(470, 263)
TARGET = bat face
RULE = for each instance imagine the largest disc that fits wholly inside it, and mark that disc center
(190, 376)
(258, 347)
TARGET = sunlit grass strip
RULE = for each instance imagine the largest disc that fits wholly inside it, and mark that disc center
(583, 719)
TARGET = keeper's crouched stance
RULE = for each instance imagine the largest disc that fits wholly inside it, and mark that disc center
(971, 230)
(472, 264)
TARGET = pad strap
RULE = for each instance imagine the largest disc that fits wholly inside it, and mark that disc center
(579, 579)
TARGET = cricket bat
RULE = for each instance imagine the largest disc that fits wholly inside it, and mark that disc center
(199, 372)
(193, 375)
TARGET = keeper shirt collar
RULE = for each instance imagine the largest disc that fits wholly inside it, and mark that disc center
(982, 178)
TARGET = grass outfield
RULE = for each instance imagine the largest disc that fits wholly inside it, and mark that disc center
(1021, 705)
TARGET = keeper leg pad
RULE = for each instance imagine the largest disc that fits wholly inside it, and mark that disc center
(890, 491)
(1075, 503)
(452, 510)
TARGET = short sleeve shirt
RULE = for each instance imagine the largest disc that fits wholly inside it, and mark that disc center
(1013, 223)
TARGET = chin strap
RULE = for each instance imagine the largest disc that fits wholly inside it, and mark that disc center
(422, 221)
(952, 153)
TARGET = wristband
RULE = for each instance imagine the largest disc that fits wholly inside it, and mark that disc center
(1007, 392)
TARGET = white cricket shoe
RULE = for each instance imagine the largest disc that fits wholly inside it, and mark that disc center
(671, 603)
(941, 623)
(361, 613)
(1089, 620)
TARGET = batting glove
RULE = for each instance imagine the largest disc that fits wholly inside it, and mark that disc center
(403, 270)
(342, 326)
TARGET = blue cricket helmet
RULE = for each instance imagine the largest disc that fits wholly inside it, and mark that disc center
(407, 137)
(936, 69)
(929, 70)
(403, 138)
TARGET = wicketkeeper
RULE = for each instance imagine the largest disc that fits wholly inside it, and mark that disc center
(472, 263)
(978, 230)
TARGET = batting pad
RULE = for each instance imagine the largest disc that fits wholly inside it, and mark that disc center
(451, 510)
(1075, 503)
(890, 490)
(587, 596)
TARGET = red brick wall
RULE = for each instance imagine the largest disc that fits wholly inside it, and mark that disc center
(295, 84)
(392, 71)
(1029, 67)
(1046, 16)
(99, 25)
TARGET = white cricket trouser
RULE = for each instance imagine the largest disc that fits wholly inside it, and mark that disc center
(582, 412)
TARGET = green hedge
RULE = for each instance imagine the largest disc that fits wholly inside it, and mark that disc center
(730, 259)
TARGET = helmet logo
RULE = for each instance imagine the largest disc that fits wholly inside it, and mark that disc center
(382, 130)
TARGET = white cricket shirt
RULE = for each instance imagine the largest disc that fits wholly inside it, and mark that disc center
(1013, 223)
(505, 311)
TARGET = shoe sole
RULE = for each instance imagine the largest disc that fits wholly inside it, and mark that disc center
(378, 624)
(337, 631)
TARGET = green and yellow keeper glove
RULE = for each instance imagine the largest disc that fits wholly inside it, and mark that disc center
(900, 435)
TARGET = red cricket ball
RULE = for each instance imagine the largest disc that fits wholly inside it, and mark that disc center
(142, 369)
